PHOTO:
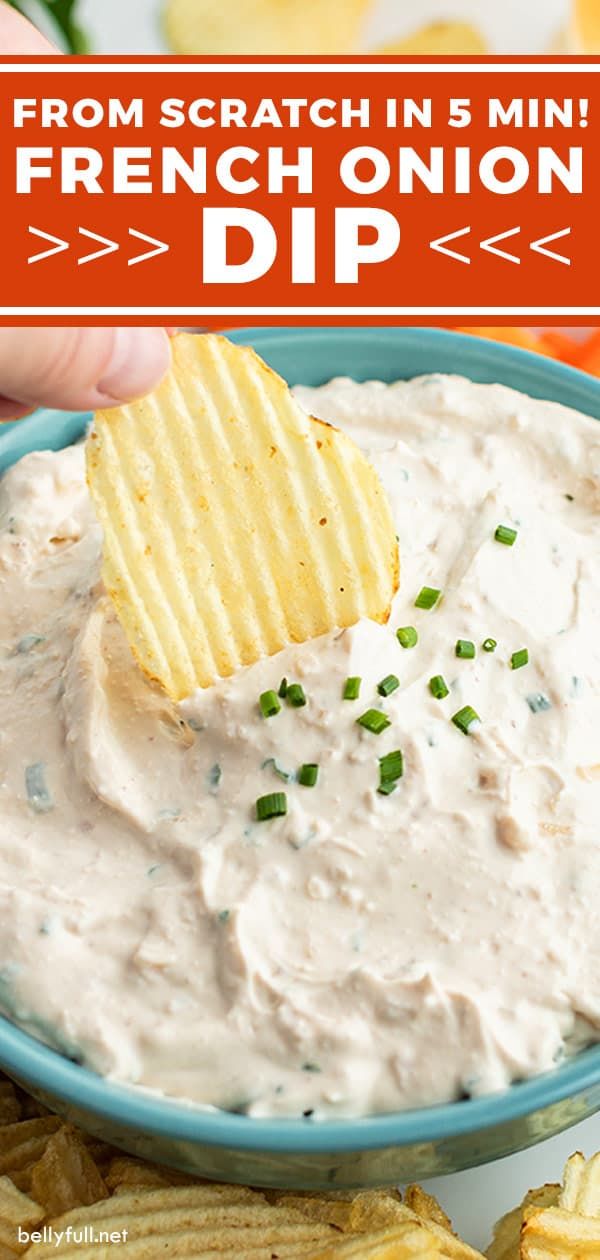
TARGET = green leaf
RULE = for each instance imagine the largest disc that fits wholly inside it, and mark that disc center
(62, 13)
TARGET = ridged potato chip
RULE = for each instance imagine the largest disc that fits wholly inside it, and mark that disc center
(264, 27)
(234, 524)
(581, 1185)
(402, 1242)
(506, 1243)
(551, 1233)
(440, 39)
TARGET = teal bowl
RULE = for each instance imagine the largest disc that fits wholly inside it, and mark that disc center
(302, 1153)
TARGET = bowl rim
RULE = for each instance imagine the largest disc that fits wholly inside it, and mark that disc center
(141, 1109)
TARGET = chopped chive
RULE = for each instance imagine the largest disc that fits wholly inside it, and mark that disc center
(519, 659)
(295, 695)
(308, 774)
(504, 534)
(272, 764)
(374, 721)
(269, 704)
(465, 649)
(489, 645)
(352, 688)
(223, 915)
(388, 684)
(386, 789)
(407, 636)
(427, 598)
(391, 767)
(311, 1067)
(272, 806)
(465, 719)
(283, 686)
(38, 793)
(538, 702)
(30, 641)
(438, 688)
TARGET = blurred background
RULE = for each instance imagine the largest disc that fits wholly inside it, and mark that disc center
(321, 26)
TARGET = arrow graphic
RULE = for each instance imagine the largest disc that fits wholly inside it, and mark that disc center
(538, 247)
(109, 246)
(490, 244)
(58, 244)
(440, 245)
(160, 248)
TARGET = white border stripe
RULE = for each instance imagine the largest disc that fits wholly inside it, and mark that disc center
(367, 67)
(299, 310)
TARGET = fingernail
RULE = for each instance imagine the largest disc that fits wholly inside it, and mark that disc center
(140, 357)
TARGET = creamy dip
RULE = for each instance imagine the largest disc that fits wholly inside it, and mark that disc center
(366, 951)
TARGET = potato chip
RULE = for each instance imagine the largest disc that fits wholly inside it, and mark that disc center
(16, 1211)
(66, 1176)
(585, 27)
(264, 27)
(401, 1242)
(427, 1207)
(371, 1209)
(581, 1185)
(552, 1232)
(507, 1231)
(440, 39)
(234, 524)
(10, 1107)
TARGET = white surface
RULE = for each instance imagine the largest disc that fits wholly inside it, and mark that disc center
(476, 1198)
(512, 26)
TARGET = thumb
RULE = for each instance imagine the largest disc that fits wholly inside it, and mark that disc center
(79, 369)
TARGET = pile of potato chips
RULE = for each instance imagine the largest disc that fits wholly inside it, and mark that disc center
(66, 1194)
(314, 27)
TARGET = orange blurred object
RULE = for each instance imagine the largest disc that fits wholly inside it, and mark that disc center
(524, 338)
(588, 359)
(584, 355)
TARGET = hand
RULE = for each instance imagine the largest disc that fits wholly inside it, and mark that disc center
(79, 369)
(76, 368)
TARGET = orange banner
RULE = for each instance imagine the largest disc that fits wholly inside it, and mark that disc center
(280, 192)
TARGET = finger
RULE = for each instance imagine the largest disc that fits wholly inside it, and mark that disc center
(19, 38)
(10, 409)
(81, 369)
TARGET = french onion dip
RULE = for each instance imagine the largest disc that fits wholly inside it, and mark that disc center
(367, 950)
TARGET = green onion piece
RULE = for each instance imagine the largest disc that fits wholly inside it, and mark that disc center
(295, 695)
(465, 649)
(504, 534)
(388, 684)
(465, 718)
(438, 688)
(352, 688)
(269, 704)
(538, 702)
(374, 720)
(519, 659)
(391, 767)
(427, 597)
(308, 774)
(38, 793)
(386, 789)
(489, 645)
(271, 763)
(407, 636)
(283, 686)
(223, 915)
(272, 806)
